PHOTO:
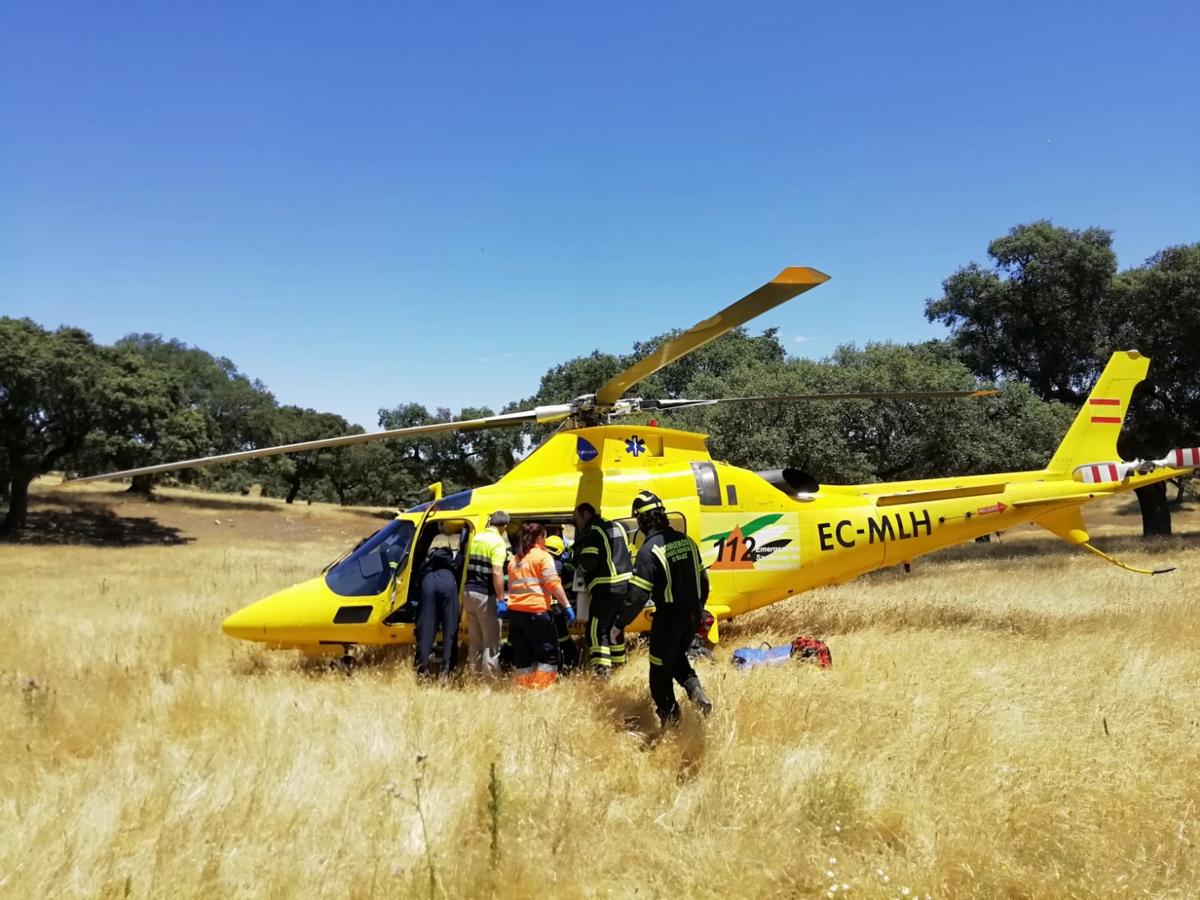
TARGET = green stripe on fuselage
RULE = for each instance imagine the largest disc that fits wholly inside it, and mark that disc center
(749, 528)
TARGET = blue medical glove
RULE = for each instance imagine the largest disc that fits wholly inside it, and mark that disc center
(570, 611)
(501, 608)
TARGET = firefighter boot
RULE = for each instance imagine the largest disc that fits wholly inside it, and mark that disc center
(669, 718)
(696, 694)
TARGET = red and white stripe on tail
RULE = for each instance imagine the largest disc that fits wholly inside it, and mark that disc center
(1103, 473)
(1181, 458)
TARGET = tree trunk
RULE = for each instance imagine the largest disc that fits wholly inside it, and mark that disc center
(343, 491)
(1156, 512)
(18, 503)
(1180, 487)
(293, 491)
(142, 484)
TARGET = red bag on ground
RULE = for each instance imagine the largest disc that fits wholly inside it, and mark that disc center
(809, 648)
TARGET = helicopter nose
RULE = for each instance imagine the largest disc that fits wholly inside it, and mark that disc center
(284, 615)
(246, 624)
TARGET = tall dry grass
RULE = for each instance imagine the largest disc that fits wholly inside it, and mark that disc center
(1010, 720)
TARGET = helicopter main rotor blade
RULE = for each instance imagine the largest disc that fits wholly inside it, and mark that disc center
(541, 414)
(807, 398)
(787, 284)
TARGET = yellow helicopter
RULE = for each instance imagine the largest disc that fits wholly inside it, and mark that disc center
(765, 536)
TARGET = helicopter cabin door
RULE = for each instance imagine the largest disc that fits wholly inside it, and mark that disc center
(453, 535)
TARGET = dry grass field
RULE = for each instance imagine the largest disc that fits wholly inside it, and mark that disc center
(1014, 719)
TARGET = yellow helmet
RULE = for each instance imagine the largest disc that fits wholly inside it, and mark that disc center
(555, 545)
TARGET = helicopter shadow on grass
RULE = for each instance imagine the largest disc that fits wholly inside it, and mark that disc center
(71, 522)
(1020, 548)
(830, 621)
(1035, 615)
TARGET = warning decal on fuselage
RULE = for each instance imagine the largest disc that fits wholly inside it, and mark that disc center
(740, 542)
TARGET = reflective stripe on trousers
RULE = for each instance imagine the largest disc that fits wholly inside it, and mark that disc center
(602, 651)
(598, 652)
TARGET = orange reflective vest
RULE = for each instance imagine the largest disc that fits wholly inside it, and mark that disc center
(531, 582)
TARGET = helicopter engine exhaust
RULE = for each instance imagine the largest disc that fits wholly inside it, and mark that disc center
(791, 481)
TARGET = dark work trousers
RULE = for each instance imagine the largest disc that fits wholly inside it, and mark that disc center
(670, 637)
(534, 641)
(439, 609)
(567, 650)
(602, 652)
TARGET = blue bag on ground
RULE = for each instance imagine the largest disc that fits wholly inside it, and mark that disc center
(766, 655)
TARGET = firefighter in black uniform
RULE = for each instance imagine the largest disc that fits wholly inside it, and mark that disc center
(601, 550)
(670, 575)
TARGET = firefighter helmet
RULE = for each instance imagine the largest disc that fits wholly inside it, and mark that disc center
(555, 545)
(645, 502)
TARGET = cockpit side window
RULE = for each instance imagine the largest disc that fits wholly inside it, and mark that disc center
(366, 571)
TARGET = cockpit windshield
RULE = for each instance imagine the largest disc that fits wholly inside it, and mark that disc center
(368, 568)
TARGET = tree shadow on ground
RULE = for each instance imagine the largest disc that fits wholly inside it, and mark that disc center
(1134, 508)
(201, 502)
(88, 525)
(369, 513)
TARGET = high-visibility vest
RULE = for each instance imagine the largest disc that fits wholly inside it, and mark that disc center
(485, 555)
(531, 582)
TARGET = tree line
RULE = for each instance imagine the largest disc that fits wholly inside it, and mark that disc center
(1038, 322)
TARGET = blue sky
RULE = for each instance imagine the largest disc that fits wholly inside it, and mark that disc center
(364, 204)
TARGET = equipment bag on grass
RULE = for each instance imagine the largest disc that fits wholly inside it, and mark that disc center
(802, 648)
(814, 650)
(766, 655)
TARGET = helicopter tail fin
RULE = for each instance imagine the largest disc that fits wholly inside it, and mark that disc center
(1093, 436)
